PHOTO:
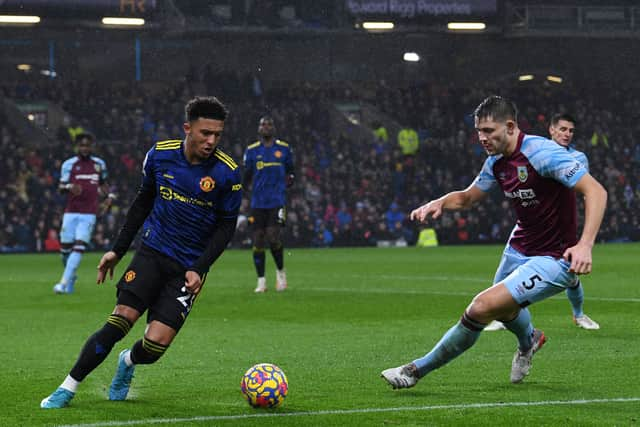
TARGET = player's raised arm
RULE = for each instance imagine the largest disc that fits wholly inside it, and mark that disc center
(456, 200)
(595, 202)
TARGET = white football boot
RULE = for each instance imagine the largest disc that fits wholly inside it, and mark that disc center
(262, 285)
(495, 325)
(401, 377)
(281, 280)
(585, 322)
(521, 363)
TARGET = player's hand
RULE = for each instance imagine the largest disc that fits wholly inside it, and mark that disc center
(433, 209)
(75, 189)
(289, 179)
(105, 205)
(106, 265)
(580, 258)
(192, 282)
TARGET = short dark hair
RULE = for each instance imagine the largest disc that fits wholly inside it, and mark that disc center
(207, 107)
(84, 135)
(498, 108)
(562, 116)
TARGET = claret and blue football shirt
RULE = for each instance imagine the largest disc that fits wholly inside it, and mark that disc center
(538, 178)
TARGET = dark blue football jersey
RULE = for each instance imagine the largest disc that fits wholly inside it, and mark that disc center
(190, 200)
(269, 166)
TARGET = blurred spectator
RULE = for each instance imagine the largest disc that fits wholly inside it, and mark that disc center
(347, 182)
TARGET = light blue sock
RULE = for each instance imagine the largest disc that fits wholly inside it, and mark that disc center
(454, 342)
(576, 298)
(522, 327)
(71, 285)
(68, 277)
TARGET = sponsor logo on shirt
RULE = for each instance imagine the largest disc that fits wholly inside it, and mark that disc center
(524, 193)
(572, 171)
(170, 194)
(91, 176)
(261, 165)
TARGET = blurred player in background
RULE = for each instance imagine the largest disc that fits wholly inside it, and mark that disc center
(83, 177)
(269, 164)
(543, 256)
(562, 129)
(187, 207)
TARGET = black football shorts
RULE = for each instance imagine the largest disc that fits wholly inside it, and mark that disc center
(263, 218)
(155, 282)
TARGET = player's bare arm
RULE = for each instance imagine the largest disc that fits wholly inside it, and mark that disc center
(456, 200)
(595, 202)
(107, 264)
(75, 189)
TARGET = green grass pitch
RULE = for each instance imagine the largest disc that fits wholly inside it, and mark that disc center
(349, 313)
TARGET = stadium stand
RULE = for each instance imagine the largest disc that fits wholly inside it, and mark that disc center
(350, 182)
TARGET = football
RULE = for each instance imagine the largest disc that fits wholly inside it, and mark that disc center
(264, 386)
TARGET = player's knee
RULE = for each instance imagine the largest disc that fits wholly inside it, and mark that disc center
(146, 351)
(116, 328)
(482, 308)
(258, 240)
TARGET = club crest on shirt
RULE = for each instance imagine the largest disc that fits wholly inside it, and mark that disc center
(207, 184)
(278, 154)
(129, 276)
(96, 167)
(522, 173)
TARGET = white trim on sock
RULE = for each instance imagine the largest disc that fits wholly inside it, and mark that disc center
(70, 384)
(127, 358)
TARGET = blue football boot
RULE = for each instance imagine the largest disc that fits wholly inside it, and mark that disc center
(122, 380)
(58, 399)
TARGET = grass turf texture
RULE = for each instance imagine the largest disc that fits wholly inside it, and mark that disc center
(347, 315)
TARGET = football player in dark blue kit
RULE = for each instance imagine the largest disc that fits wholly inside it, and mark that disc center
(269, 164)
(187, 207)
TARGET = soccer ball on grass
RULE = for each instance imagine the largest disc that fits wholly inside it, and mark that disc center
(264, 386)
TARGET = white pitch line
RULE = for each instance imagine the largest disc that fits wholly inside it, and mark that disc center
(355, 411)
(427, 278)
(392, 291)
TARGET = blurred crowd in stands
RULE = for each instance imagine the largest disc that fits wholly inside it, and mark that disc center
(350, 189)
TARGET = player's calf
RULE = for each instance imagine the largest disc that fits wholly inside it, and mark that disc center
(146, 351)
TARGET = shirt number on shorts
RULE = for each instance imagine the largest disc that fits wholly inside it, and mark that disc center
(532, 282)
(186, 300)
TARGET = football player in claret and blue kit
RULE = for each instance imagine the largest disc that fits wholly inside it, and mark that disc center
(83, 178)
(562, 129)
(543, 256)
(187, 208)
